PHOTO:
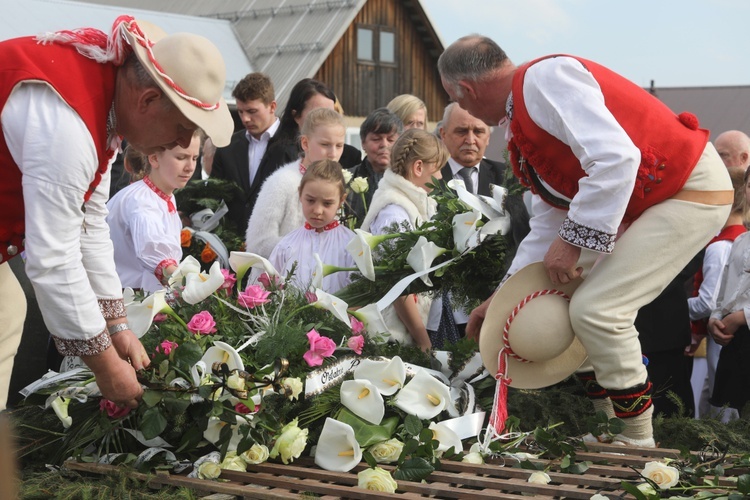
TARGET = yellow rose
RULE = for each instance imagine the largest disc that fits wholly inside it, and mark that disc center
(359, 185)
(539, 477)
(376, 479)
(257, 454)
(387, 451)
(293, 387)
(209, 470)
(665, 476)
(236, 382)
(473, 458)
(291, 442)
(233, 462)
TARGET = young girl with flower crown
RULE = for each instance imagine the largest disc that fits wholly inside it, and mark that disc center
(402, 201)
(143, 221)
(278, 210)
(322, 191)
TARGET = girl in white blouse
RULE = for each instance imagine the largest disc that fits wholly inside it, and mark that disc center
(143, 221)
(402, 199)
(322, 191)
(278, 211)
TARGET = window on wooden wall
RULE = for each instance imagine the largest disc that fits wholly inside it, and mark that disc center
(376, 45)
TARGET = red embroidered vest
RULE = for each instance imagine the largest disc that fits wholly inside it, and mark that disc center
(87, 86)
(670, 145)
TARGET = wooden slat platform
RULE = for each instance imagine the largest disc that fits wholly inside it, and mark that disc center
(497, 479)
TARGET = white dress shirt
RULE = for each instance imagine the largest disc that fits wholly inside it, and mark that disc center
(457, 167)
(257, 148)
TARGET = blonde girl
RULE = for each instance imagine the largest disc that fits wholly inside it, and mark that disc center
(143, 221)
(322, 191)
(278, 210)
(402, 201)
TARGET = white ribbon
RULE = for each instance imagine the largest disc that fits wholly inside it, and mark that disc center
(208, 220)
(52, 378)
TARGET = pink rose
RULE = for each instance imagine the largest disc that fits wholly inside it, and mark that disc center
(160, 317)
(357, 326)
(320, 348)
(229, 280)
(356, 343)
(270, 283)
(311, 297)
(202, 323)
(113, 411)
(253, 296)
(167, 346)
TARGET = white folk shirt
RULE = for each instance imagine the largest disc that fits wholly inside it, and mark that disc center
(302, 244)
(734, 294)
(68, 252)
(604, 149)
(144, 234)
(257, 148)
(714, 261)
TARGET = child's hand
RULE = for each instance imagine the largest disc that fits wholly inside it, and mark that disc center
(722, 330)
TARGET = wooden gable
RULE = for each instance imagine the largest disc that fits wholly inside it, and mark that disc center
(362, 85)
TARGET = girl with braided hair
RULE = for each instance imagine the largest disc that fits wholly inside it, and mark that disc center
(400, 203)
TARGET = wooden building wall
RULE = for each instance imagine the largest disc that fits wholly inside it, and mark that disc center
(363, 87)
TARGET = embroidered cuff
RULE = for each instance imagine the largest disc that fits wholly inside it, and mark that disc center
(586, 237)
(76, 347)
(159, 271)
(112, 308)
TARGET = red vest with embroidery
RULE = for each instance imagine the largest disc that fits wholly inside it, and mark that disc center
(670, 145)
(87, 86)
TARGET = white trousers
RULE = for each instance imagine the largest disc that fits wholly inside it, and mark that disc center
(647, 256)
(12, 316)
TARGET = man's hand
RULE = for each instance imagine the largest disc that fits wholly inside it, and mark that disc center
(115, 377)
(560, 262)
(130, 349)
(476, 318)
(723, 330)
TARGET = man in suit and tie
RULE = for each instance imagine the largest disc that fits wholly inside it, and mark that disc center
(240, 161)
(466, 138)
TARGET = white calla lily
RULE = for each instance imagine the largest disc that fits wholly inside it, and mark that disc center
(212, 433)
(338, 449)
(333, 304)
(60, 406)
(423, 396)
(317, 275)
(421, 255)
(223, 353)
(360, 250)
(141, 314)
(189, 265)
(199, 286)
(372, 319)
(469, 199)
(387, 376)
(363, 398)
(241, 262)
(446, 436)
(465, 230)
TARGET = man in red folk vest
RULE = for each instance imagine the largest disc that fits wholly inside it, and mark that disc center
(66, 100)
(625, 194)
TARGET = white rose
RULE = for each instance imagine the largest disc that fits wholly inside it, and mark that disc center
(209, 470)
(347, 176)
(599, 496)
(376, 479)
(473, 458)
(233, 462)
(257, 454)
(291, 442)
(539, 477)
(236, 382)
(359, 185)
(665, 476)
(293, 387)
(387, 451)
(646, 488)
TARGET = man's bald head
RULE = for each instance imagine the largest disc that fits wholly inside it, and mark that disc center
(734, 148)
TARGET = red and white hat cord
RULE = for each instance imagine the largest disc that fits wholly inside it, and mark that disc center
(500, 407)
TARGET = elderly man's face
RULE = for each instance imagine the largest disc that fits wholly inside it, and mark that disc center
(475, 98)
(465, 136)
(156, 126)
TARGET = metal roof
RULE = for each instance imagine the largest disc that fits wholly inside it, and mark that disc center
(718, 108)
(31, 17)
